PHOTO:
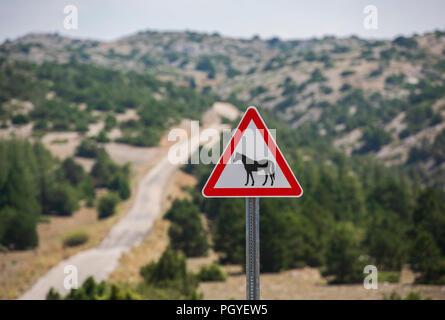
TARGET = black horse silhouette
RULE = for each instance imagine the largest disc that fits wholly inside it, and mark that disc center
(250, 165)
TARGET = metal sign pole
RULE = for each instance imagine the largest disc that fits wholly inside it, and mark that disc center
(253, 248)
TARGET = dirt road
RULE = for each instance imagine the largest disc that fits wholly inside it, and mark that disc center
(100, 261)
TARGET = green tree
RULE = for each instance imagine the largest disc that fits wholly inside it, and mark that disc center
(19, 208)
(426, 259)
(110, 122)
(211, 272)
(62, 200)
(119, 183)
(171, 272)
(103, 170)
(342, 258)
(88, 149)
(107, 205)
(72, 171)
(386, 240)
(429, 215)
(186, 231)
(229, 233)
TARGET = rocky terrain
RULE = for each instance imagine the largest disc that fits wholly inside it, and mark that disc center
(383, 97)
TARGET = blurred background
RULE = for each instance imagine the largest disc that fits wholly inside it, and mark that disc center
(90, 89)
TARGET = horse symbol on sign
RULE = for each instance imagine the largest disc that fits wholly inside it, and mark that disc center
(250, 165)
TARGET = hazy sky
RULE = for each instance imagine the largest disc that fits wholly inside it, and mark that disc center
(110, 19)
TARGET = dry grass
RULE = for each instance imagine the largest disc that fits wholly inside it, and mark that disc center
(307, 284)
(149, 250)
(20, 269)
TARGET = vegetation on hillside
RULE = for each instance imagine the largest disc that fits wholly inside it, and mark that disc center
(355, 211)
(186, 231)
(33, 182)
(158, 104)
(167, 278)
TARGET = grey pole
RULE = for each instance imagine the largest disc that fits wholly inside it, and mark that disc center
(253, 248)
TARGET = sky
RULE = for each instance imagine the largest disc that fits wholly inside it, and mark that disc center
(287, 19)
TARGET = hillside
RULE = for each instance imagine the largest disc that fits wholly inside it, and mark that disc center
(383, 97)
(361, 123)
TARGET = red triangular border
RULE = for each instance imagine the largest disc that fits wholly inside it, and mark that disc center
(209, 189)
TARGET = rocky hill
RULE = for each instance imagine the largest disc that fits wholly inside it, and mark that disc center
(380, 97)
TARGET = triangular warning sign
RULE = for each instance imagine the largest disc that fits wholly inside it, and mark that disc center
(252, 165)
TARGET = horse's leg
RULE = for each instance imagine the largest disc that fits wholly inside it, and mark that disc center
(265, 180)
(253, 181)
(272, 178)
(248, 174)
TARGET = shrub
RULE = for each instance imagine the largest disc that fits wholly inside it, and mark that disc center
(426, 258)
(72, 171)
(375, 73)
(75, 239)
(62, 200)
(107, 205)
(110, 122)
(17, 229)
(212, 272)
(326, 89)
(31, 182)
(342, 258)
(395, 79)
(186, 231)
(171, 272)
(231, 72)
(385, 240)
(92, 290)
(391, 277)
(374, 138)
(20, 119)
(412, 295)
(286, 103)
(341, 49)
(388, 54)
(229, 229)
(317, 76)
(103, 170)
(102, 137)
(53, 295)
(409, 43)
(81, 126)
(289, 87)
(88, 149)
(87, 191)
(205, 64)
(170, 268)
(257, 91)
(347, 73)
(120, 184)
(346, 87)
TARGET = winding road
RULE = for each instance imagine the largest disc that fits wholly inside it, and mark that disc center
(131, 229)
